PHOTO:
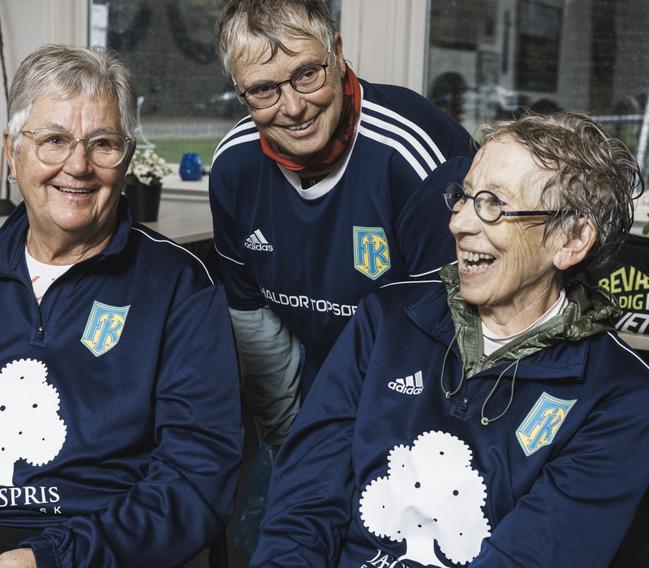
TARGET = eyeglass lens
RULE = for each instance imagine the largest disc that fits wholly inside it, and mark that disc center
(105, 150)
(305, 80)
(487, 205)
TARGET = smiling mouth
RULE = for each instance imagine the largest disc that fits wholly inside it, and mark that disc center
(73, 190)
(475, 261)
(302, 126)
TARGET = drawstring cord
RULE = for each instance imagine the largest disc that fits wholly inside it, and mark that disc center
(449, 394)
(483, 419)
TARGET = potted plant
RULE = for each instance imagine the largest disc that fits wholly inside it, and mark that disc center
(144, 184)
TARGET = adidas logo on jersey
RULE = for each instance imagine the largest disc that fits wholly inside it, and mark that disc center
(412, 384)
(258, 242)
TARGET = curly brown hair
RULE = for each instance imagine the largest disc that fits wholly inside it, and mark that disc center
(594, 177)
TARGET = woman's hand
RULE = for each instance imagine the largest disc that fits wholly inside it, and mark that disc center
(18, 558)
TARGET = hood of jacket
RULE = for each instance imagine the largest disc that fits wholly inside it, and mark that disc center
(590, 310)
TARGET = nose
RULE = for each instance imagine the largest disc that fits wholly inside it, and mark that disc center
(465, 221)
(291, 102)
(78, 164)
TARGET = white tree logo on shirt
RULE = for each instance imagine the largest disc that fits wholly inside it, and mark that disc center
(430, 494)
(30, 427)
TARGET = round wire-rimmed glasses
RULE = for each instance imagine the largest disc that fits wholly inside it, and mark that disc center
(104, 149)
(488, 207)
(305, 80)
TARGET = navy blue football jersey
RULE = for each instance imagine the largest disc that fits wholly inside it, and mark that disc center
(312, 254)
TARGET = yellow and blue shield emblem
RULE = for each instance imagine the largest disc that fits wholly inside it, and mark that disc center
(104, 327)
(542, 422)
(371, 251)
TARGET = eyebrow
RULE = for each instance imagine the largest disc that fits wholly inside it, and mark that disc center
(101, 130)
(54, 126)
(494, 187)
(310, 61)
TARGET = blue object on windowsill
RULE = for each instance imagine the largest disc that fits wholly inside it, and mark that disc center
(191, 167)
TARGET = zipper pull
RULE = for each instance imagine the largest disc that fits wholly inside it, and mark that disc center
(40, 332)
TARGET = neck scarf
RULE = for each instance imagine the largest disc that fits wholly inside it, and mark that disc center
(324, 160)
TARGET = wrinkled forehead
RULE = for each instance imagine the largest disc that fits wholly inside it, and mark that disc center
(506, 167)
(78, 112)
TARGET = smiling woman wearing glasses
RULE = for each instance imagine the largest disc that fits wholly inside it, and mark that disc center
(322, 194)
(71, 189)
(488, 416)
(101, 463)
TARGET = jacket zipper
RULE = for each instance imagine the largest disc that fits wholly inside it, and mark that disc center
(40, 330)
(40, 326)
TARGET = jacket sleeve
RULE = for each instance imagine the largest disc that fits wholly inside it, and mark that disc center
(424, 238)
(309, 507)
(270, 370)
(185, 496)
(578, 511)
(268, 352)
(241, 288)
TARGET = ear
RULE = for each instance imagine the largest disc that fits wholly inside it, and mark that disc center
(577, 243)
(338, 52)
(9, 152)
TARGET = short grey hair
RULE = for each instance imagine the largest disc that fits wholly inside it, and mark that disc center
(68, 71)
(262, 25)
(594, 176)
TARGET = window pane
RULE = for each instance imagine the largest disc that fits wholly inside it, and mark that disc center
(489, 58)
(187, 104)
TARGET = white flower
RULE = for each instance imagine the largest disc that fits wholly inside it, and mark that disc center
(148, 168)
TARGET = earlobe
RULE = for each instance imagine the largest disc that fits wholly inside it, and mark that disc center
(576, 245)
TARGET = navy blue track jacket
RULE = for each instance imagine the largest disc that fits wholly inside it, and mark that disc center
(312, 254)
(119, 408)
(381, 470)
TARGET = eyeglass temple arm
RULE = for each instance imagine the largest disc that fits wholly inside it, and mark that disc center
(528, 213)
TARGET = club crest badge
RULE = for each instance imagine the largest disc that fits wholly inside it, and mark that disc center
(371, 251)
(542, 423)
(104, 327)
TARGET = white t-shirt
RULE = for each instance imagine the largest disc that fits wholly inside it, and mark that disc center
(43, 275)
(492, 342)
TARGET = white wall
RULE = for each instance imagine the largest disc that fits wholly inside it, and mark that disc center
(28, 24)
(386, 40)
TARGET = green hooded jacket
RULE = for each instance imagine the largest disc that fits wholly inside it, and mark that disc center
(590, 310)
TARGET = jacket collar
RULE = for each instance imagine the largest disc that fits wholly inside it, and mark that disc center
(14, 232)
(554, 350)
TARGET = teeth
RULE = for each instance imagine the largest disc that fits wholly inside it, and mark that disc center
(302, 126)
(73, 190)
(470, 256)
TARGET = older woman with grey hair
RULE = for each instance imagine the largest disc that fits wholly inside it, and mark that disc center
(489, 417)
(119, 413)
(328, 190)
